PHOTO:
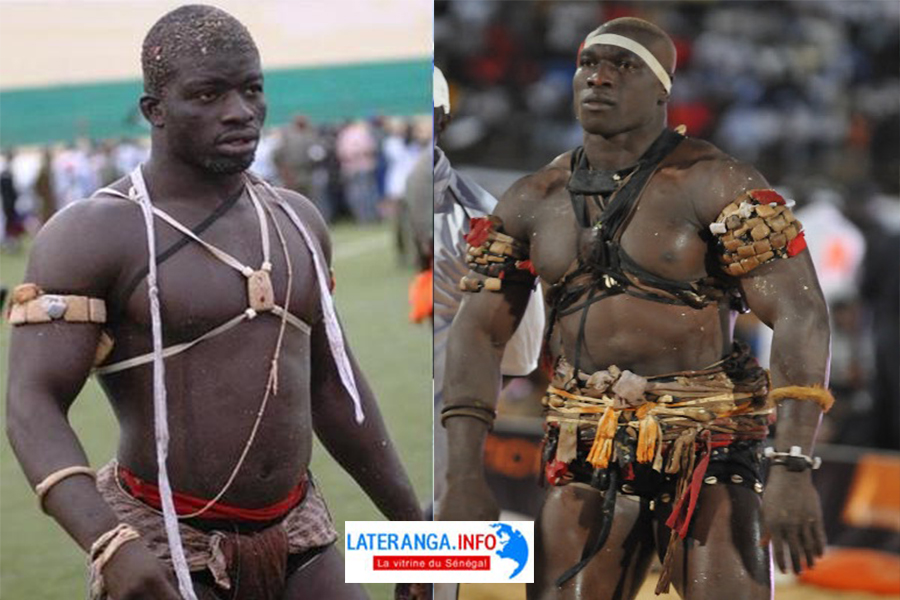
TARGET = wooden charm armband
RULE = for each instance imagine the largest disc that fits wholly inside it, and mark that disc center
(30, 304)
(496, 255)
(756, 228)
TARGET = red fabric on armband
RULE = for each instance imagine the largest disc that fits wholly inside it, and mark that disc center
(148, 493)
(526, 265)
(479, 230)
(767, 196)
(796, 245)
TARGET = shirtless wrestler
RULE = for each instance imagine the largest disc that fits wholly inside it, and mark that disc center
(648, 242)
(239, 305)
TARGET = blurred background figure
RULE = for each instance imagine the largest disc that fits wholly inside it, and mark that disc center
(293, 157)
(14, 225)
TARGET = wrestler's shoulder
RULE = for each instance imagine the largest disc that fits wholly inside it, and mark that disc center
(83, 247)
(102, 218)
(712, 177)
(309, 214)
(543, 183)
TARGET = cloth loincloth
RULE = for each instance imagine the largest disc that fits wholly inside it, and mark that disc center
(660, 437)
(257, 561)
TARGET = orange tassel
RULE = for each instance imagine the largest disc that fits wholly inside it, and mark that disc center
(644, 409)
(601, 449)
(648, 437)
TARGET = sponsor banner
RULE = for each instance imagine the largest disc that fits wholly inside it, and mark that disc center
(439, 551)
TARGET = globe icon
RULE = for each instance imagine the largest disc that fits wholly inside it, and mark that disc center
(512, 546)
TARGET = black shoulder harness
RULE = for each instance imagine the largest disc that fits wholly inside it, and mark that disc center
(608, 270)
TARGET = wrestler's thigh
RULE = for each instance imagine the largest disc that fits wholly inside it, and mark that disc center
(571, 515)
(322, 578)
(722, 557)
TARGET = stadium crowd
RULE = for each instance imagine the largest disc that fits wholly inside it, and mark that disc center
(356, 170)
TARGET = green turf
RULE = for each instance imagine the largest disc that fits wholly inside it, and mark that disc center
(39, 561)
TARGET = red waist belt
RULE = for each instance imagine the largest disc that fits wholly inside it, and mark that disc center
(148, 493)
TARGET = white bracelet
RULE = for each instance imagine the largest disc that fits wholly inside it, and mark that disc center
(793, 460)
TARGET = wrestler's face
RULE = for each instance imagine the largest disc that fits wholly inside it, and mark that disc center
(615, 91)
(213, 110)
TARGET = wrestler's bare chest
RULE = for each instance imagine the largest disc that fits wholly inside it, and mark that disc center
(664, 237)
(663, 234)
(198, 291)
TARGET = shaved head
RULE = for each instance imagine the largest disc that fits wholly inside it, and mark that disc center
(645, 33)
(194, 31)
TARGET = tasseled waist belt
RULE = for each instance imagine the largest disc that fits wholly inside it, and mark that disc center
(669, 423)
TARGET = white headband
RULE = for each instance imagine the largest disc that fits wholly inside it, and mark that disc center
(612, 39)
(441, 91)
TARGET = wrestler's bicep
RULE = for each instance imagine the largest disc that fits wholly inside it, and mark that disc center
(52, 360)
(783, 290)
(57, 313)
(516, 209)
(492, 315)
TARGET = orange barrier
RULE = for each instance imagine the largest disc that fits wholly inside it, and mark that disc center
(856, 569)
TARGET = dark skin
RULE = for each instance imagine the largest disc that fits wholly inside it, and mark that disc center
(95, 248)
(621, 107)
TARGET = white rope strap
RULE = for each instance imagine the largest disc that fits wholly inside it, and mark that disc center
(172, 350)
(247, 315)
(263, 227)
(160, 413)
(223, 256)
(112, 192)
(332, 327)
(298, 324)
(44, 487)
(612, 39)
(102, 551)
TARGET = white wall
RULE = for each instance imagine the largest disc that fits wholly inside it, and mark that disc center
(46, 42)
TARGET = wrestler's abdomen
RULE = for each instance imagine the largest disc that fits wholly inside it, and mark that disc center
(214, 393)
(646, 337)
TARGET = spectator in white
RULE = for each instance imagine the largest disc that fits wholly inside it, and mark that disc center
(456, 200)
(357, 153)
(73, 175)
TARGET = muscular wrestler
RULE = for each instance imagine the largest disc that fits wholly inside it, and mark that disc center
(223, 353)
(648, 242)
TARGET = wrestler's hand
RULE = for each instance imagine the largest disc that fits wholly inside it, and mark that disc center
(135, 573)
(792, 517)
(412, 591)
(468, 499)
